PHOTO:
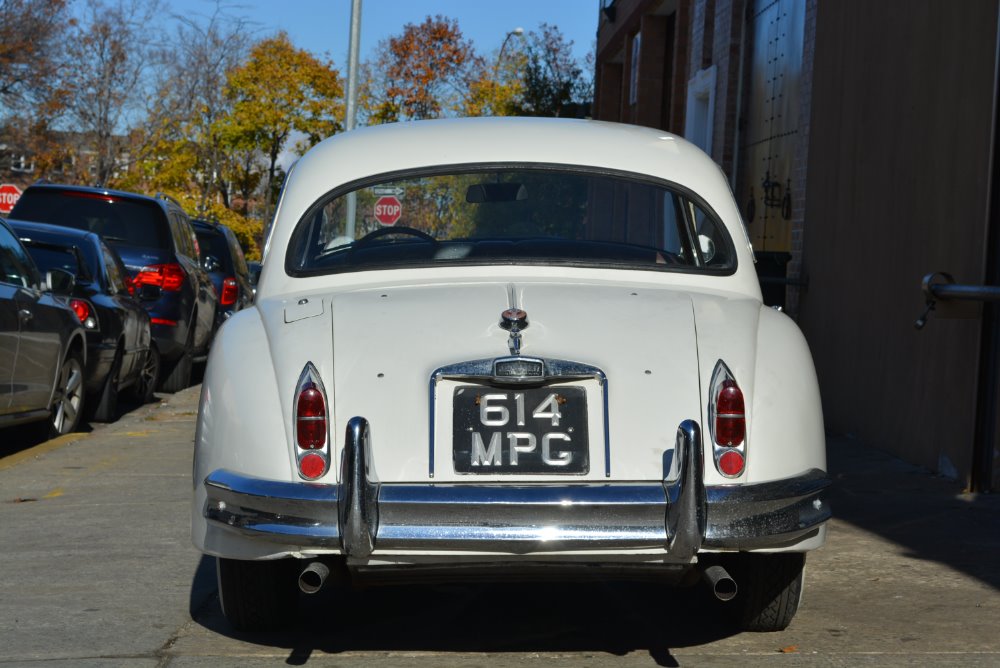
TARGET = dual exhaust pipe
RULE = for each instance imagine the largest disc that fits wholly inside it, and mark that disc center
(313, 577)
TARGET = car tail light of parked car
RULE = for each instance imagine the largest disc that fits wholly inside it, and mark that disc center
(168, 277)
(85, 313)
(311, 424)
(230, 290)
(727, 416)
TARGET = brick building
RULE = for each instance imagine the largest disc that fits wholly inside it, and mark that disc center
(859, 139)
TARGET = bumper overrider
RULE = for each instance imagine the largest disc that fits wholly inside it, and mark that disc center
(360, 516)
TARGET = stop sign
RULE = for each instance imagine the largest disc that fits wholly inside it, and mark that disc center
(9, 194)
(388, 210)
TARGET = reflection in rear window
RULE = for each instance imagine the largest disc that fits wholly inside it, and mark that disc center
(118, 220)
(506, 215)
(49, 257)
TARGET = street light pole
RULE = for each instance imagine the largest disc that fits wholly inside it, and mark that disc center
(351, 111)
(516, 31)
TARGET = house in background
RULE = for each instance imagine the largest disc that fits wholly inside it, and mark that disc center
(859, 139)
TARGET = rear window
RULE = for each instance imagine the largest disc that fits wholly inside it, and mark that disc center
(48, 257)
(213, 244)
(508, 215)
(117, 219)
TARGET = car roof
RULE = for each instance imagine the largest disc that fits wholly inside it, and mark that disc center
(50, 233)
(373, 152)
(61, 187)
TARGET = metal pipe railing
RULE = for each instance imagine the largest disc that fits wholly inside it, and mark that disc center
(940, 286)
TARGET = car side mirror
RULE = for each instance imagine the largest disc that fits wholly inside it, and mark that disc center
(707, 247)
(148, 293)
(60, 281)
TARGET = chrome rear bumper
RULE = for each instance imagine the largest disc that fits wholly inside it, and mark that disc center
(360, 516)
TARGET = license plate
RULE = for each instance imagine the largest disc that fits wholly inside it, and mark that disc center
(534, 430)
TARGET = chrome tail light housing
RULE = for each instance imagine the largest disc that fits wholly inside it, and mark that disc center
(311, 428)
(727, 422)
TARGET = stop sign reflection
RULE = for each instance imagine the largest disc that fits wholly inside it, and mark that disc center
(388, 210)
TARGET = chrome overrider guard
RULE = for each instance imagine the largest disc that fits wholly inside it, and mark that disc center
(359, 516)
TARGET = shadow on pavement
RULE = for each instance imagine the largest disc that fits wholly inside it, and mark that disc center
(594, 616)
(927, 515)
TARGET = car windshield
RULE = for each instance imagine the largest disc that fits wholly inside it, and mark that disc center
(511, 215)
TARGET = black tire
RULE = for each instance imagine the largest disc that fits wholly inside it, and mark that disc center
(149, 376)
(257, 595)
(67, 400)
(770, 588)
(179, 376)
(106, 408)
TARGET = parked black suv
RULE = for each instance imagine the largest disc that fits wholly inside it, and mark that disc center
(223, 259)
(155, 240)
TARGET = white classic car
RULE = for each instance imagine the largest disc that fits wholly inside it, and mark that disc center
(506, 347)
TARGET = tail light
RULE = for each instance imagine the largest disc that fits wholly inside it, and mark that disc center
(312, 425)
(168, 277)
(727, 421)
(229, 292)
(84, 313)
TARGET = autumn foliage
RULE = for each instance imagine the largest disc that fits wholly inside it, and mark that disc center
(212, 114)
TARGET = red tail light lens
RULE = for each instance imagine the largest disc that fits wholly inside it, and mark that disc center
(731, 463)
(229, 292)
(730, 418)
(311, 425)
(168, 277)
(84, 313)
(310, 419)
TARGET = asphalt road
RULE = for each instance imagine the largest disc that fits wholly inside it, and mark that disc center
(97, 569)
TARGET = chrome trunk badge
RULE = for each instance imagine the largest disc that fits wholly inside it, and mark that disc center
(514, 320)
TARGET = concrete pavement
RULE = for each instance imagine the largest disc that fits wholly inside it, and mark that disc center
(98, 570)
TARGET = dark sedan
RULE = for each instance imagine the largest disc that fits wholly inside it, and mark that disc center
(42, 345)
(121, 353)
(222, 257)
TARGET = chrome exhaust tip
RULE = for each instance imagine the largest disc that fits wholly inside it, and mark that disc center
(312, 577)
(722, 584)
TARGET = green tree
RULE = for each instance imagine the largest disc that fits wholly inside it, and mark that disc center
(280, 91)
(423, 73)
(552, 79)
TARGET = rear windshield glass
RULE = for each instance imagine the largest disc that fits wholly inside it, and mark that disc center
(510, 215)
(48, 257)
(213, 244)
(118, 220)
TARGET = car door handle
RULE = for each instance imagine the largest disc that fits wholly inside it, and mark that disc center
(25, 315)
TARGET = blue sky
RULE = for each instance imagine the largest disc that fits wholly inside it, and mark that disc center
(322, 26)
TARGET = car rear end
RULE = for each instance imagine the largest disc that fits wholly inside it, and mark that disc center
(223, 260)
(137, 228)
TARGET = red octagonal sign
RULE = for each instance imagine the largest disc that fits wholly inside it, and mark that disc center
(9, 194)
(388, 210)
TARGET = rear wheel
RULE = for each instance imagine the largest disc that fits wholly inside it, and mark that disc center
(106, 409)
(257, 595)
(770, 588)
(149, 375)
(67, 402)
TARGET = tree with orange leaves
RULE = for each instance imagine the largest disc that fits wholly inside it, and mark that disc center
(423, 73)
